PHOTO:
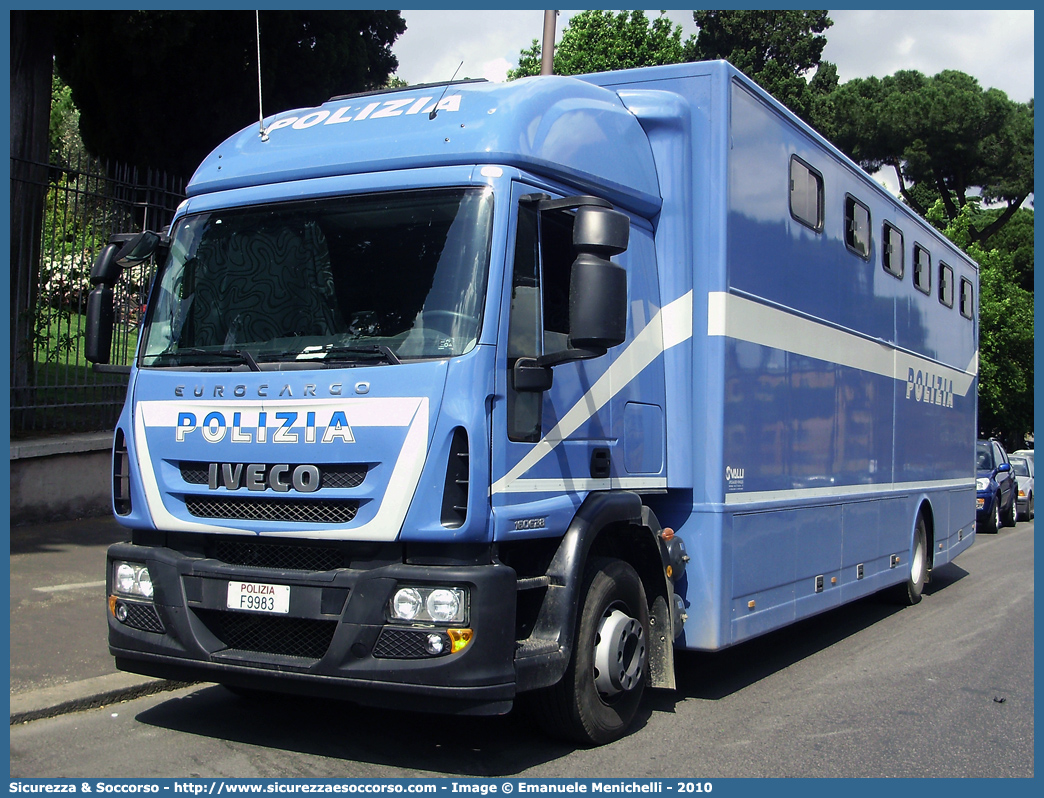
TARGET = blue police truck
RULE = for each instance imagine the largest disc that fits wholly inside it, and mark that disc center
(457, 395)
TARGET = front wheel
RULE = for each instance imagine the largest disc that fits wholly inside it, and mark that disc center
(599, 694)
(993, 523)
(1009, 514)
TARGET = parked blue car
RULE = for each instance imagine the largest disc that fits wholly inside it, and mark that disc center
(996, 486)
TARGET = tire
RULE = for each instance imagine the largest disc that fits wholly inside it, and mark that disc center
(1029, 508)
(993, 523)
(598, 696)
(1009, 514)
(909, 593)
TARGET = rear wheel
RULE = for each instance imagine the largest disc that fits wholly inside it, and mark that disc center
(598, 697)
(909, 593)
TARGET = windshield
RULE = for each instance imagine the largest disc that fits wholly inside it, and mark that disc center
(1019, 466)
(983, 456)
(377, 278)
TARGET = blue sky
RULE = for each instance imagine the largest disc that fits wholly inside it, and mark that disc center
(996, 47)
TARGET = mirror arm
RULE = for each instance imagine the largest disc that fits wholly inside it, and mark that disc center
(568, 356)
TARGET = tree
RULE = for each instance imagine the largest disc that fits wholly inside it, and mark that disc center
(944, 137)
(599, 41)
(163, 88)
(775, 49)
(1005, 326)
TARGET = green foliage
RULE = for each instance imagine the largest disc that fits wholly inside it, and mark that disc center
(163, 88)
(776, 49)
(66, 145)
(945, 138)
(599, 41)
(1005, 324)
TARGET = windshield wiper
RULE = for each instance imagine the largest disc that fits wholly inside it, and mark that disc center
(242, 355)
(349, 352)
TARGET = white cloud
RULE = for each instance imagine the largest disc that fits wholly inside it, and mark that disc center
(996, 47)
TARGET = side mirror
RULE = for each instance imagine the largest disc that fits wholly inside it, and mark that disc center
(138, 249)
(100, 322)
(597, 304)
(106, 268)
(598, 288)
(1003, 468)
(529, 376)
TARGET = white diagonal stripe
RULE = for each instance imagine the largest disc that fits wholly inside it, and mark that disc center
(669, 327)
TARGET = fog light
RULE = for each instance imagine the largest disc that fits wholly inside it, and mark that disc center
(434, 644)
(121, 612)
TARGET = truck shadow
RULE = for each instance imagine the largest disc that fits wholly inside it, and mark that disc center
(713, 676)
(508, 745)
(58, 535)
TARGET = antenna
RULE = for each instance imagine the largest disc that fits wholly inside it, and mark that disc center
(260, 110)
(435, 110)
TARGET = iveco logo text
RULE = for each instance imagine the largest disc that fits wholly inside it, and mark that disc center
(933, 389)
(259, 476)
(358, 113)
(261, 426)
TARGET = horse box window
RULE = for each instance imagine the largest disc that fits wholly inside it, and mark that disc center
(967, 299)
(892, 255)
(857, 227)
(922, 269)
(946, 285)
(806, 194)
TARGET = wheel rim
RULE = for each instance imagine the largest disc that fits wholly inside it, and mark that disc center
(619, 653)
(996, 513)
(917, 567)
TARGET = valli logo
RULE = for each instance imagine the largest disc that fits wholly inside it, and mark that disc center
(933, 389)
(734, 478)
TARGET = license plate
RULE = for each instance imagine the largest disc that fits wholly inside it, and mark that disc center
(258, 597)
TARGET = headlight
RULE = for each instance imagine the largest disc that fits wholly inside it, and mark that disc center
(982, 484)
(407, 604)
(429, 604)
(132, 579)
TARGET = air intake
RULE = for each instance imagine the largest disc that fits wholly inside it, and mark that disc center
(455, 493)
(121, 499)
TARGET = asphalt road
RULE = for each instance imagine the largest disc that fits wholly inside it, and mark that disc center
(942, 689)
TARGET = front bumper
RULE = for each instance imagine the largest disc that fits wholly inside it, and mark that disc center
(984, 505)
(334, 640)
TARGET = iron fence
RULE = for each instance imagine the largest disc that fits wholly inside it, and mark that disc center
(61, 217)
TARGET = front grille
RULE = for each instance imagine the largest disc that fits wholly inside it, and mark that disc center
(405, 644)
(253, 554)
(287, 510)
(337, 477)
(143, 617)
(266, 634)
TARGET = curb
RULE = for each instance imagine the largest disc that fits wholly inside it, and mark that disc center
(51, 702)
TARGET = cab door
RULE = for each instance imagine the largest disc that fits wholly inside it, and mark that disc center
(550, 447)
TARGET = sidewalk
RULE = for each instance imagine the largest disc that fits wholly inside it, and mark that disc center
(60, 659)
